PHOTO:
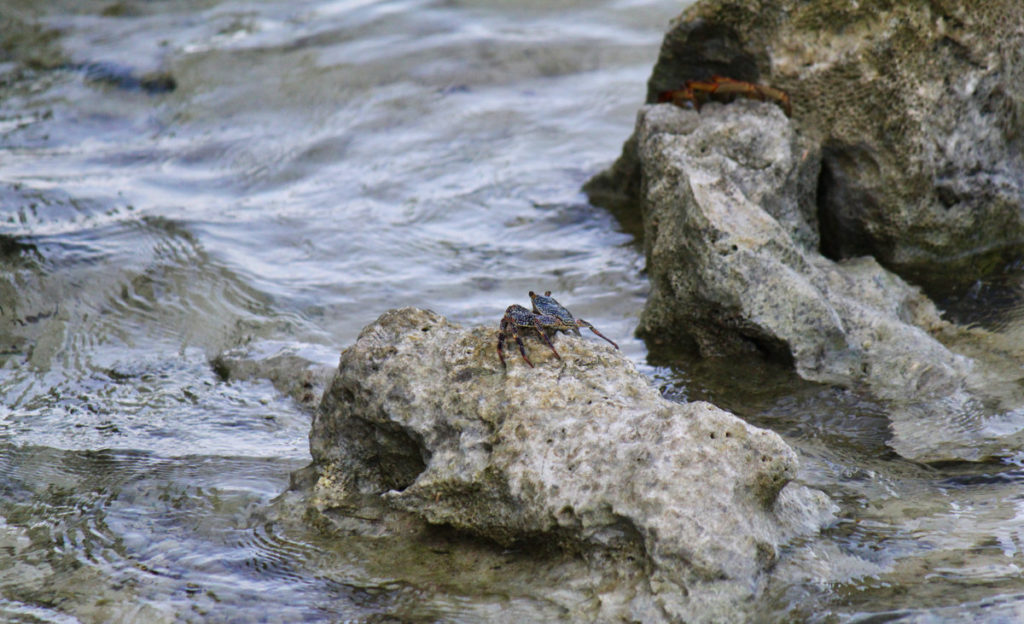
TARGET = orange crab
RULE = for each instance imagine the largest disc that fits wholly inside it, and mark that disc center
(723, 89)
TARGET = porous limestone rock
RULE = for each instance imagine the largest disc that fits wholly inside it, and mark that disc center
(734, 277)
(918, 106)
(905, 150)
(690, 503)
(734, 269)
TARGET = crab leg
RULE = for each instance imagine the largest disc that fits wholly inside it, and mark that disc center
(582, 323)
(543, 334)
(679, 97)
(510, 327)
(780, 97)
(720, 85)
(696, 92)
(501, 344)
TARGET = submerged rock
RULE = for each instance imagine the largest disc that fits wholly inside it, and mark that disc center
(291, 374)
(684, 506)
(127, 78)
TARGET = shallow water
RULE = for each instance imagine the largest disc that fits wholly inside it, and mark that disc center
(318, 163)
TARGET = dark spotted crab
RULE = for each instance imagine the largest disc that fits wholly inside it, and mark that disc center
(722, 89)
(546, 314)
(546, 304)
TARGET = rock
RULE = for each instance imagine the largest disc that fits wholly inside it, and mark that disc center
(733, 277)
(767, 234)
(291, 374)
(685, 506)
(734, 270)
(126, 78)
(918, 107)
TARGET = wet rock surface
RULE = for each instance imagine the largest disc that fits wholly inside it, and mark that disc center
(735, 270)
(292, 375)
(777, 236)
(681, 508)
(918, 107)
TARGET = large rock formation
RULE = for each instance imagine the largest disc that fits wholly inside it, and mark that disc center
(755, 224)
(732, 267)
(734, 270)
(686, 505)
(918, 107)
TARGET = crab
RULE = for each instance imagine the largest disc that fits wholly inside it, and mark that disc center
(546, 305)
(724, 89)
(517, 316)
(546, 314)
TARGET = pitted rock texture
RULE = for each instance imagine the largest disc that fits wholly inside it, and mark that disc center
(733, 270)
(731, 276)
(582, 453)
(918, 107)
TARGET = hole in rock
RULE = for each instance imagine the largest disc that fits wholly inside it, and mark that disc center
(845, 205)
